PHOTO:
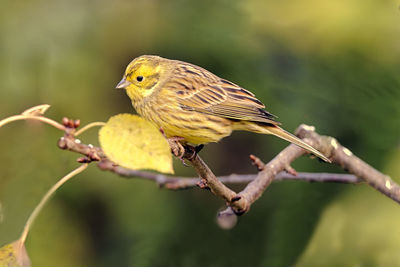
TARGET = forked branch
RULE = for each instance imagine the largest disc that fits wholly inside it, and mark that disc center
(276, 170)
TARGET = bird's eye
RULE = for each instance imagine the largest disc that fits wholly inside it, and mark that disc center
(139, 78)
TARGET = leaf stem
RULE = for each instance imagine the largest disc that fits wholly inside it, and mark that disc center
(45, 198)
(88, 126)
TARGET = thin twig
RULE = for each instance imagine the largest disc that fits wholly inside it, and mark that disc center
(343, 157)
(179, 182)
(255, 188)
(88, 126)
(45, 198)
(30, 117)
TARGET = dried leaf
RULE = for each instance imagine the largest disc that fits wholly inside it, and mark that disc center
(134, 143)
(14, 255)
(36, 110)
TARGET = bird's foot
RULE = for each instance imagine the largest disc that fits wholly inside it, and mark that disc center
(176, 147)
(183, 151)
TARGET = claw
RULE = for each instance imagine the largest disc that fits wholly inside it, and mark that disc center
(184, 162)
(193, 151)
(190, 152)
(176, 147)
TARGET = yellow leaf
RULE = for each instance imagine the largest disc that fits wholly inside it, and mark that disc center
(14, 255)
(134, 143)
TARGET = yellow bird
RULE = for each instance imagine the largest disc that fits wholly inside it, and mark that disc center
(198, 107)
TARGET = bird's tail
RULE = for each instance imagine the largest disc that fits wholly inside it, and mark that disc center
(278, 131)
(281, 133)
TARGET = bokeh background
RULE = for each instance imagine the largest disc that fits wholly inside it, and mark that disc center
(332, 64)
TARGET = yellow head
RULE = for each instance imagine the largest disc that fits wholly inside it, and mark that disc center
(142, 76)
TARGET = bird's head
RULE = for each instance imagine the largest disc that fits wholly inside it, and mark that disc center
(141, 76)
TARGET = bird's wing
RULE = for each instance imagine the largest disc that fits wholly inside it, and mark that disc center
(220, 97)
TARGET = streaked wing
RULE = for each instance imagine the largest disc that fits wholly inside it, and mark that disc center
(204, 92)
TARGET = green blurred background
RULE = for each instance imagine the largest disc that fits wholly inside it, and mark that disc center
(332, 64)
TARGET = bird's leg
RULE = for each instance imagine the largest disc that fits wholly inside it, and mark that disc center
(176, 147)
(180, 150)
(183, 151)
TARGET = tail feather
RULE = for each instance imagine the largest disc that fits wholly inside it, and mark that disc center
(277, 131)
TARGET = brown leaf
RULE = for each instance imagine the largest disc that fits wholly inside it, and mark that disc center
(36, 110)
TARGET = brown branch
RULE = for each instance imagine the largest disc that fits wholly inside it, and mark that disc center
(210, 180)
(264, 178)
(328, 146)
(343, 157)
(273, 171)
(238, 203)
(180, 182)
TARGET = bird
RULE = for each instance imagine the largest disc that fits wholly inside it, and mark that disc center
(195, 106)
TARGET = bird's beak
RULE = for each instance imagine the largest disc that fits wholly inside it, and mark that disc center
(123, 84)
